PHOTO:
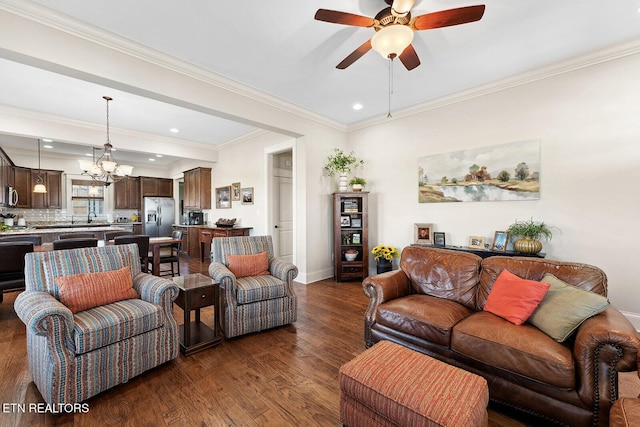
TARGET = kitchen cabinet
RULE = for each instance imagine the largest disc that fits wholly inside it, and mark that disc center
(126, 193)
(52, 199)
(5, 180)
(156, 187)
(20, 180)
(197, 189)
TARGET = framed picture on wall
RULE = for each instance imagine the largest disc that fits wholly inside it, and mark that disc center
(423, 233)
(247, 195)
(235, 192)
(223, 197)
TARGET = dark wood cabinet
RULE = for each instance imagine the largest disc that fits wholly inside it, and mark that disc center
(20, 180)
(350, 235)
(156, 187)
(206, 234)
(127, 193)
(197, 189)
(5, 177)
(53, 197)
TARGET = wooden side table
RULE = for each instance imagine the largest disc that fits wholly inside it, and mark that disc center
(198, 291)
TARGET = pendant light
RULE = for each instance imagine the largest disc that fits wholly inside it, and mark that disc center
(39, 187)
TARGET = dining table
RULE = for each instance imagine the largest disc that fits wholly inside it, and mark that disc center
(155, 244)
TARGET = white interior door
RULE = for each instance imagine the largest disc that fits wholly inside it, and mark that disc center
(284, 217)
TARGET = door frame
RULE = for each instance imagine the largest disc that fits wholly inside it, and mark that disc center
(269, 153)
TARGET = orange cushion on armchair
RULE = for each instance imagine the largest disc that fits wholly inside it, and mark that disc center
(249, 265)
(87, 290)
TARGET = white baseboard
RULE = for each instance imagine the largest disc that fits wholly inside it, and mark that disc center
(634, 318)
(306, 278)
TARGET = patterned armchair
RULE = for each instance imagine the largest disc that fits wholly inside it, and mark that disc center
(253, 303)
(73, 357)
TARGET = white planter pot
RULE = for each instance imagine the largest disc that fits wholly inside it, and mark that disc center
(343, 185)
(357, 187)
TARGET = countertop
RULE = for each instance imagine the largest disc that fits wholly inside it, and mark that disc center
(207, 226)
(62, 229)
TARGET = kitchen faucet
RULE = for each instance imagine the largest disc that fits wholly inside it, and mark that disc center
(89, 216)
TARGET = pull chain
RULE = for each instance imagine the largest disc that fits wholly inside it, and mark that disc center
(390, 85)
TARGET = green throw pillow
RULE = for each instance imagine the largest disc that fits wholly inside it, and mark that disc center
(564, 308)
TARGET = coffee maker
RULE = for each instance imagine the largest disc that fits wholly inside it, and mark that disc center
(196, 218)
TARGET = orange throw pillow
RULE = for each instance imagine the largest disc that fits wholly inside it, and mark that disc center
(87, 290)
(514, 298)
(249, 265)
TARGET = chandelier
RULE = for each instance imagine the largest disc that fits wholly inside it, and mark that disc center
(106, 169)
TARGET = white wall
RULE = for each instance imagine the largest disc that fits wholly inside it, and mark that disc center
(588, 122)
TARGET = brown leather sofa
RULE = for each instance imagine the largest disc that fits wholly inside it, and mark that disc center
(625, 412)
(434, 304)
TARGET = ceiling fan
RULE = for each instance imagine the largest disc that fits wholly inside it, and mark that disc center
(394, 28)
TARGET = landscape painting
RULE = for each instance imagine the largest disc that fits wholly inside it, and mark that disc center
(497, 173)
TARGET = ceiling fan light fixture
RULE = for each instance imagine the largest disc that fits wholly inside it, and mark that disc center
(400, 8)
(392, 40)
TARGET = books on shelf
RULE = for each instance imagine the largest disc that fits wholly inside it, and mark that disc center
(350, 205)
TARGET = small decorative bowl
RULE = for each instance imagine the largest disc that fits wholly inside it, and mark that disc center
(350, 257)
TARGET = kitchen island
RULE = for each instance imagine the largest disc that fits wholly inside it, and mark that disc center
(50, 232)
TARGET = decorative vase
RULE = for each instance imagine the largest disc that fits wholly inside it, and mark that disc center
(383, 265)
(357, 187)
(343, 182)
(527, 245)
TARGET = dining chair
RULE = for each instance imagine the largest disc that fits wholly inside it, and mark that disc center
(36, 240)
(171, 256)
(12, 265)
(110, 235)
(142, 240)
(74, 243)
(77, 235)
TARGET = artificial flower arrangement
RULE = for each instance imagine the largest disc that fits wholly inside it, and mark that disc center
(384, 252)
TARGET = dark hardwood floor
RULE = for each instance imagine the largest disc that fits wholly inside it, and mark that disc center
(286, 376)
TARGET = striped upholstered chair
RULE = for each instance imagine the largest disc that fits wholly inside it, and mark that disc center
(253, 303)
(74, 356)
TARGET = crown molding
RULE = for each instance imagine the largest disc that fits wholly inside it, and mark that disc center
(580, 62)
(77, 28)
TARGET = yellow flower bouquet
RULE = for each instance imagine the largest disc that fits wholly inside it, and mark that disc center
(384, 252)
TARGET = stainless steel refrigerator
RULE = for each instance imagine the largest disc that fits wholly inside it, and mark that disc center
(159, 216)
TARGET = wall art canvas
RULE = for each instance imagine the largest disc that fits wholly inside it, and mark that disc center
(497, 173)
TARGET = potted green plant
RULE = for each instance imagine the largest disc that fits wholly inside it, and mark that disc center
(340, 163)
(357, 183)
(529, 232)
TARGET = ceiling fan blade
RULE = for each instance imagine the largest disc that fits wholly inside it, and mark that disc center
(344, 18)
(409, 58)
(447, 18)
(355, 55)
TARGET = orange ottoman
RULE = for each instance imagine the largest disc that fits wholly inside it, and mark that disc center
(390, 385)
(625, 412)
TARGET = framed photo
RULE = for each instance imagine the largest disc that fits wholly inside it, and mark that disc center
(439, 239)
(247, 195)
(345, 221)
(476, 242)
(355, 238)
(235, 192)
(423, 233)
(500, 241)
(223, 197)
(356, 222)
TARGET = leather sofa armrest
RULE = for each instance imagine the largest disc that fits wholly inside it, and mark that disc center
(46, 316)
(382, 288)
(605, 344)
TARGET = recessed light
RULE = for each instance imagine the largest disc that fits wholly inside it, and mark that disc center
(174, 130)
(88, 154)
(47, 146)
(47, 140)
(152, 160)
(158, 155)
(357, 106)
